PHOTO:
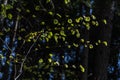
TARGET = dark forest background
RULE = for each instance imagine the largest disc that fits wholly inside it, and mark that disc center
(59, 40)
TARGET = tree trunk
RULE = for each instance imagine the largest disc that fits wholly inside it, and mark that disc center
(103, 11)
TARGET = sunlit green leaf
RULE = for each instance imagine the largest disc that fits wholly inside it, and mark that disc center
(104, 20)
(78, 35)
(42, 23)
(82, 68)
(105, 43)
(49, 60)
(87, 19)
(82, 40)
(93, 17)
(67, 1)
(55, 21)
(90, 46)
(37, 8)
(59, 15)
(10, 16)
(51, 13)
(75, 45)
(66, 66)
(69, 21)
(41, 60)
(62, 33)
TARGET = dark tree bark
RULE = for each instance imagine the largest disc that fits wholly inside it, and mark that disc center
(103, 10)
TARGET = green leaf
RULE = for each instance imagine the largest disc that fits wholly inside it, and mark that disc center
(73, 32)
(105, 43)
(62, 33)
(67, 1)
(47, 1)
(55, 21)
(66, 66)
(41, 60)
(82, 68)
(59, 15)
(104, 21)
(76, 45)
(91, 46)
(19, 38)
(93, 17)
(87, 19)
(10, 16)
(42, 23)
(18, 9)
(51, 13)
(82, 40)
(77, 34)
(49, 60)
(56, 38)
(69, 21)
(37, 8)
(28, 11)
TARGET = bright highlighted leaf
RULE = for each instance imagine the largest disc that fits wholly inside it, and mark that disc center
(85, 45)
(76, 45)
(66, 66)
(50, 60)
(77, 20)
(62, 33)
(63, 38)
(56, 38)
(90, 46)
(59, 15)
(73, 32)
(104, 20)
(73, 66)
(88, 42)
(50, 33)
(66, 1)
(96, 23)
(55, 21)
(50, 54)
(47, 39)
(82, 40)
(87, 19)
(41, 60)
(69, 46)
(57, 63)
(93, 22)
(93, 17)
(82, 68)
(78, 35)
(51, 13)
(42, 23)
(96, 43)
(105, 43)
(87, 26)
(99, 41)
(69, 21)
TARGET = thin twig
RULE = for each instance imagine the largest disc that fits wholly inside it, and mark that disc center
(5, 44)
(53, 6)
(43, 8)
(15, 30)
(22, 64)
